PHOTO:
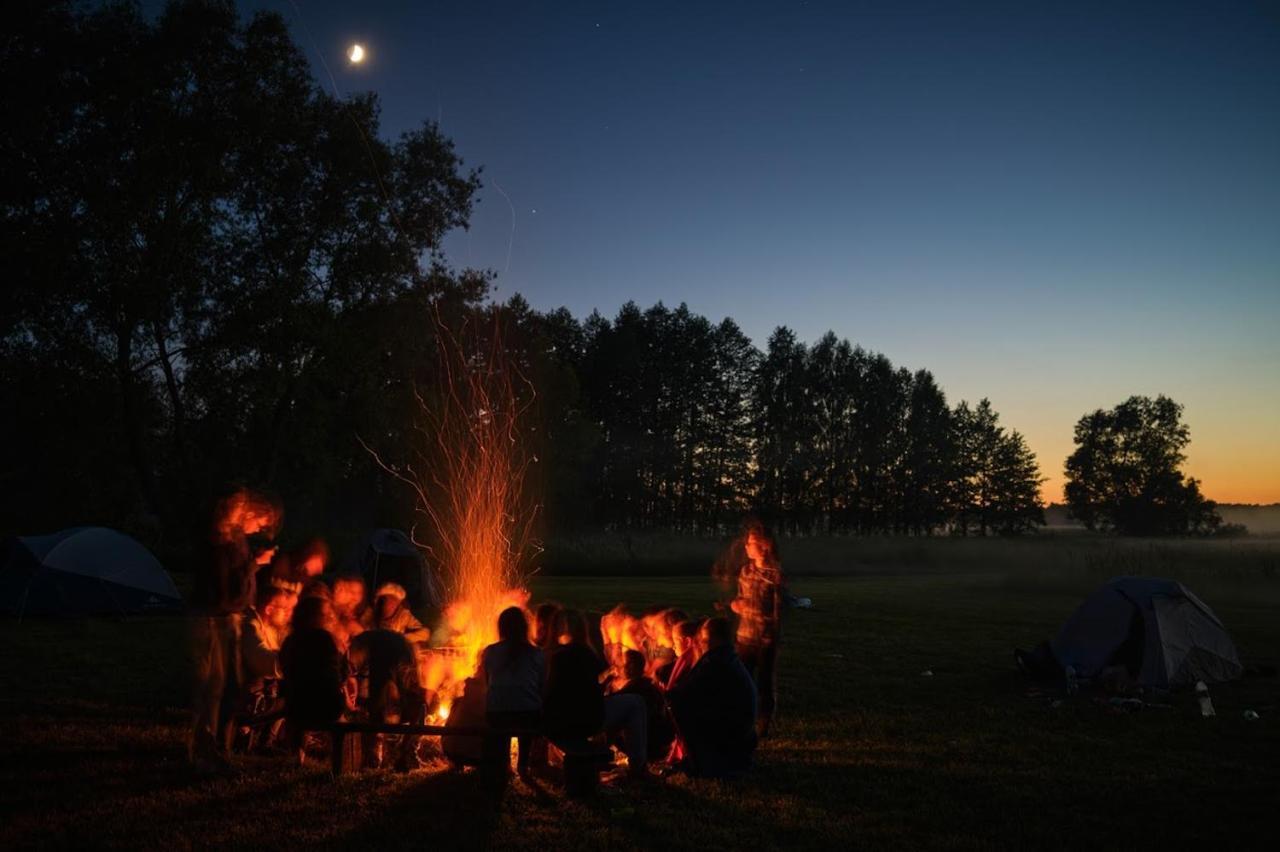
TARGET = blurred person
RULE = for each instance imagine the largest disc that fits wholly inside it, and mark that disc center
(264, 633)
(545, 618)
(688, 649)
(714, 708)
(223, 591)
(758, 606)
(385, 662)
(514, 674)
(573, 707)
(314, 670)
(659, 732)
(392, 613)
(353, 612)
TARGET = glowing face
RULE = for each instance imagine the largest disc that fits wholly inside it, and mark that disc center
(347, 595)
(754, 547)
(280, 611)
(314, 566)
(356, 54)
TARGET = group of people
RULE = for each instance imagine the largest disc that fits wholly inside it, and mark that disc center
(275, 641)
(700, 711)
(697, 714)
(272, 638)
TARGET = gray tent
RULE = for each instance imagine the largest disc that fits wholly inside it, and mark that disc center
(388, 555)
(83, 571)
(1163, 633)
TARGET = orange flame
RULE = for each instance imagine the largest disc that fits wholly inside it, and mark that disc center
(469, 479)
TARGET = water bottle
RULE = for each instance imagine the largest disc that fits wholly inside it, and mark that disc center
(1202, 695)
(1072, 685)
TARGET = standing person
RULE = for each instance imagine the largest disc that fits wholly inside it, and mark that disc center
(759, 610)
(224, 590)
(514, 675)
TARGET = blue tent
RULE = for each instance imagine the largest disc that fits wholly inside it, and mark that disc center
(1158, 629)
(83, 571)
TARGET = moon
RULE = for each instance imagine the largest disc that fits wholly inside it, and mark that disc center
(356, 54)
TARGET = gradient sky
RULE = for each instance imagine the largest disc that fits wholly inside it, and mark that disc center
(1051, 207)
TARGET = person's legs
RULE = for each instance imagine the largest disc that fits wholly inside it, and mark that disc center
(210, 664)
(233, 680)
(767, 686)
(629, 715)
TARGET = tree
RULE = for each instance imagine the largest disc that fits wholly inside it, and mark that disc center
(196, 229)
(997, 486)
(1125, 475)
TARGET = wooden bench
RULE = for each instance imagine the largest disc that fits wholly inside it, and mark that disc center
(589, 758)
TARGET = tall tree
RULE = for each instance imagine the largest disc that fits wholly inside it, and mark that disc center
(1125, 473)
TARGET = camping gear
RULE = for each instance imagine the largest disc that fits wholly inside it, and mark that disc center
(83, 571)
(1157, 629)
(390, 556)
(1206, 703)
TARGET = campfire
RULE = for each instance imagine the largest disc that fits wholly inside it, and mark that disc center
(468, 476)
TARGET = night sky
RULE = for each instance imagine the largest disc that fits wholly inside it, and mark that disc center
(1054, 208)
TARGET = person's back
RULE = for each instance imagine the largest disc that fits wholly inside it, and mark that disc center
(314, 671)
(385, 657)
(574, 704)
(514, 677)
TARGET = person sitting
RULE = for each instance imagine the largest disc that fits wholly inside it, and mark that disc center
(714, 707)
(392, 613)
(388, 666)
(545, 618)
(513, 671)
(573, 705)
(576, 708)
(354, 615)
(264, 632)
(685, 639)
(659, 731)
(314, 670)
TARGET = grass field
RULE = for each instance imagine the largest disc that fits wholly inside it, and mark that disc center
(868, 752)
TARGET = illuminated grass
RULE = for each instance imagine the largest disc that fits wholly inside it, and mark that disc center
(868, 752)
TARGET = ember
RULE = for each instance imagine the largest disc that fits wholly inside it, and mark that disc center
(469, 478)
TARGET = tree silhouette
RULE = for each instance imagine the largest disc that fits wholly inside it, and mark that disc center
(1124, 474)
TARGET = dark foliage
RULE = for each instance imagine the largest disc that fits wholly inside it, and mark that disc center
(1125, 472)
(219, 272)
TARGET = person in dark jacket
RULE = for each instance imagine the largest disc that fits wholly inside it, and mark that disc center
(659, 730)
(314, 669)
(386, 663)
(715, 708)
(223, 591)
(513, 672)
(574, 704)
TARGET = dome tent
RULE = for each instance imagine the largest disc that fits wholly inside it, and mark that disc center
(83, 571)
(389, 555)
(1158, 629)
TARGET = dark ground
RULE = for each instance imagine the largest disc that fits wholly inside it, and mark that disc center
(868, 752)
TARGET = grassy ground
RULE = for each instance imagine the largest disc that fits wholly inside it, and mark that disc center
(868, 752)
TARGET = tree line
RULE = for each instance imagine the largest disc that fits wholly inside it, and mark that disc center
(220, 272)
